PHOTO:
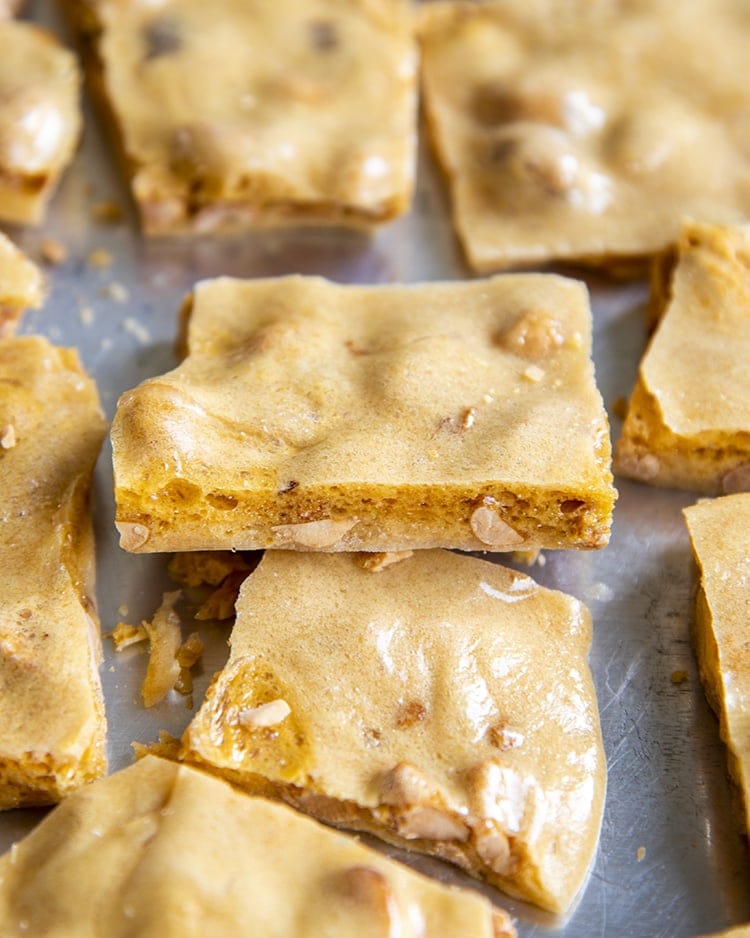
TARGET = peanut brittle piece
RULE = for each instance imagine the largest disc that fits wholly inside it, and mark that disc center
(313, 416)
(720, 535)
(444, 704)
(160, 849)
(40, 118)
(51, 705)
(688, 420)
(241, 114)
(584, 131)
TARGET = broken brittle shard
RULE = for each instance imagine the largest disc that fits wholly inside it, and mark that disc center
(51, 703)
(161, 849)
(443, 703)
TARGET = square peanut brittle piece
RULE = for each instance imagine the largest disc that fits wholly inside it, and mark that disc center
(40, 118)
(170, 851)
(582, 131)
(720, 534)
(51, 705)
(443, 703)
(316, 416)
(237, 114)
(688, 421)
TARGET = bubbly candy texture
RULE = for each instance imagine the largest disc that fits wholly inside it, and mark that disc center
(688, 421)
(314, 416)
(586, 131)
(51, 705)
(242, 113)
(442, 703)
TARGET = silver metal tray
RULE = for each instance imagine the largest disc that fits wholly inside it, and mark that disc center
(671, 860)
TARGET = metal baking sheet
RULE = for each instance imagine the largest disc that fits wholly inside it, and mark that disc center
(671, 860)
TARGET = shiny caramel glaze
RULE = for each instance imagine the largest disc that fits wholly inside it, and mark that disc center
(443, 703)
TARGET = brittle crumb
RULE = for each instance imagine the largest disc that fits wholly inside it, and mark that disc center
(599, 591)
(184, 683)
(168, 747)
(220, 604)
(679, 677)
(190, 651)
(640, 854)
(99, 257)
(138, 331)
(163, 669)
(124, 635)
(210, 567)
(106, 211)
(52, 252)
(527, 557)
(115, 291)
(87, 315)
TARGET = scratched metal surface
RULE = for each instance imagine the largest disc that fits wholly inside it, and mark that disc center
(667, 788)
